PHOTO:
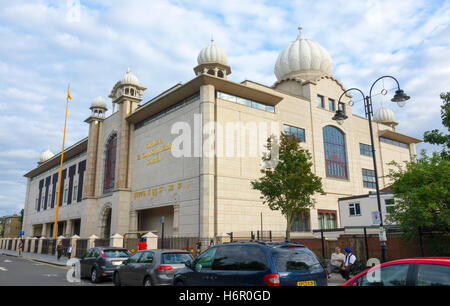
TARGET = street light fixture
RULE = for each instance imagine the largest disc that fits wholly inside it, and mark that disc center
(400, 98)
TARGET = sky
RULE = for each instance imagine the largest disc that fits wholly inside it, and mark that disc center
(90, 44)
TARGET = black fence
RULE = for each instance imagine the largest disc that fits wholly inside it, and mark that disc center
(257, 235)
(179, 243)
(10, 245)
(36, 246)
(45, 246)
(101, 242)
(29, 246)
(82, 247)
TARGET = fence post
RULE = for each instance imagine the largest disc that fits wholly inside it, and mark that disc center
(323, 243)
(26, 244)
(223, 238)
(270, 235)
(73, 243)
(33, 244)
(421, 243)
(366, 245)
(116, 240)
(151, 240)
(41, 240)
(91, 241)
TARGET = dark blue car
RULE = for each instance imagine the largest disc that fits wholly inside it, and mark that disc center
(253, 264)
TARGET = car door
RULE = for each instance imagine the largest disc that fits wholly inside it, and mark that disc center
(201, 274)
(144, 264)
(388, 275)
(127, 270)
(84, 262)
(236, 265)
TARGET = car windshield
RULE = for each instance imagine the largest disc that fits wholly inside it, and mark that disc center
(116, 253)
(294, 259)
(175, 258)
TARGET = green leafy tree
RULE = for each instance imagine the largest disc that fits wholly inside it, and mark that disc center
(435, 136)
(422, 191)
(290, 185)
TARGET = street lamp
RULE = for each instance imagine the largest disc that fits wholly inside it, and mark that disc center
(400, 98)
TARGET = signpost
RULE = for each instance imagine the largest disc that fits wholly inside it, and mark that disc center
(162, 232)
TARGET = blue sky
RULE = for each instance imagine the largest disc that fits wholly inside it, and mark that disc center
(48, 44)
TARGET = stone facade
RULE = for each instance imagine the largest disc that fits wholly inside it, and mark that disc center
(198, 193)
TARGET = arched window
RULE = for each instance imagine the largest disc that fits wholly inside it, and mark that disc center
(110, 165)
(335, 154)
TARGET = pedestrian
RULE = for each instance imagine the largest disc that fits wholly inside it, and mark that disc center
(59, 249)
(336, 262)
(211, 243)
(69, 252)
(198, 247)
(20, 247)
(142, 245)
(348, 262)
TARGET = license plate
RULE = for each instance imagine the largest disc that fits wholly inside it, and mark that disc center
(117, 263)
(306, 283)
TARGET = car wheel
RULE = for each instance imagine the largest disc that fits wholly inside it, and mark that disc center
(95, 275)
(147, 282)
(116, 279)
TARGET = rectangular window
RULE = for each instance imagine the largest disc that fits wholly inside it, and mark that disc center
(354, 209)
(331, 105)
(297, 132)
(394, 142)
(368, 178)
(341, 107)
(246, 102)
(75, 193)
(365, 149)
(389, 203)
(326, 219)
(66, 193)
(320, 101)
(301, 223)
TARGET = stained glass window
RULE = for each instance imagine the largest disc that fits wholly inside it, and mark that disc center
(110, 166)
(335, 154)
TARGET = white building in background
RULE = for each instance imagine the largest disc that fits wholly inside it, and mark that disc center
(128, 173)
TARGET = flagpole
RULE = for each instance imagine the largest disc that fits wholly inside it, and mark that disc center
(55, 226)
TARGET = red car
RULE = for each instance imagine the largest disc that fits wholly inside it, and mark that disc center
(425, 271)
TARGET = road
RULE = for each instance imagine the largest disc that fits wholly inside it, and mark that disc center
(17, 271)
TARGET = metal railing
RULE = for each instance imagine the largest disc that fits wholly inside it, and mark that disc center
(82, 247)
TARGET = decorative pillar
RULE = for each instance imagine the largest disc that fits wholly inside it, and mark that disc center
(223, 238)
(33, 242)
(73, 243)
(39, 251)
(91, 241)
(133, 221)
(26, 244)
(69, 226)
(176, 220)
(151, 240)
(116, 240)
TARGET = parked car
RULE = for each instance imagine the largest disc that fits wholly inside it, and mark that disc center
(151, 268)
(100, 262)
(426, 271)
(254, 264)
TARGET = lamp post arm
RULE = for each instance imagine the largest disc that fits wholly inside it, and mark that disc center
(386, 76)
(350, 89)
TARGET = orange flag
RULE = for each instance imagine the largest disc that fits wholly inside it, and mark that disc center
(68, 95)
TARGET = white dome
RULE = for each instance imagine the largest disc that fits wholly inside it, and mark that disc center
(99, 102)
(212, 54)
(303, 58)
(130, 78)
(384, 115)
(46, 156)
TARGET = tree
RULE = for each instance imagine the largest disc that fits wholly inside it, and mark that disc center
(21, 215)
(421, 189)
(290, 185)
(435, 136)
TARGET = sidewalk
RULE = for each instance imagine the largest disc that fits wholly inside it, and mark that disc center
(50, 259)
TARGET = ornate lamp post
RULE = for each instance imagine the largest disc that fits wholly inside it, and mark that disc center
(400, 97)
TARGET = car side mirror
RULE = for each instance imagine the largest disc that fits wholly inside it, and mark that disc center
(125, 262)
(188, 263)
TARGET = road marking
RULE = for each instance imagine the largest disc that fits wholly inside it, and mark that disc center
(50, 275)
(3, 269)
(54, 266)
(6, 260)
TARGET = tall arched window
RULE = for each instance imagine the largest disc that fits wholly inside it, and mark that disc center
(110, 165)
(335, 155)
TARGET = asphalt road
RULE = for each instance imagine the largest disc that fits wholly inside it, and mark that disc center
(17, 271)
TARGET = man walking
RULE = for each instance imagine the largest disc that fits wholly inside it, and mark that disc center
(336, 262)
(59, 249)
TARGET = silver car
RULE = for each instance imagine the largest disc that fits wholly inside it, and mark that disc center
(151, 268)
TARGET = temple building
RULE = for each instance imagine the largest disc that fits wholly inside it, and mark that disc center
(190, 153)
